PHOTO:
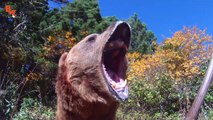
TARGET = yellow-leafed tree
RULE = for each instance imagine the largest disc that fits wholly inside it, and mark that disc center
(180, 56)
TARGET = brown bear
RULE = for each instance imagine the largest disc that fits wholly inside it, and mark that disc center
(91, 77)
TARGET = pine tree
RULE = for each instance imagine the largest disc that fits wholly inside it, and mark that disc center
(142, 38)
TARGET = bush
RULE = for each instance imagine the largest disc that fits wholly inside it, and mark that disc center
(164, 98)
(33, 110)
(151, 97)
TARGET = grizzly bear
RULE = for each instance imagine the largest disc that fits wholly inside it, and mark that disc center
(91, 76)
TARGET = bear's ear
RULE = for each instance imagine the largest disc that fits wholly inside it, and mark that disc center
(61, 67)
(62, 59)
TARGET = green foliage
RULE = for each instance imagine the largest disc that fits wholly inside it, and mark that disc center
(154, 96)
(163, 98)
(55, 21)
(34, 110)
(7, 100)
(142, 39)
(85, 16)
(141, 115)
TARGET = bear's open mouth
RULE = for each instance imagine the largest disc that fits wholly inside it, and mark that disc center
(114, 62)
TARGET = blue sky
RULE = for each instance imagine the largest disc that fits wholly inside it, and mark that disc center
(163, 17)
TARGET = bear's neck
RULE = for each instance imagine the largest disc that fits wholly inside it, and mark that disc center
(92, 111)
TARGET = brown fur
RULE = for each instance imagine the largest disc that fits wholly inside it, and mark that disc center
(82, 92)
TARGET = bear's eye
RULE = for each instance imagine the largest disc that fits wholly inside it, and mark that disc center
(92, 38)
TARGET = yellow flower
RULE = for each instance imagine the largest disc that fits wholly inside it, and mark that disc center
(50, 38)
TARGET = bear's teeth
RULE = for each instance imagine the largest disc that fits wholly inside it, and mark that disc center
(115, 85)
(106, 74)
(118, 85)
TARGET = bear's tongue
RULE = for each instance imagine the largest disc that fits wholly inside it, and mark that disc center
(116, 82)
(117, 85)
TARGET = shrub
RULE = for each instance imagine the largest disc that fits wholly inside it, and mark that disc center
(33, 110)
